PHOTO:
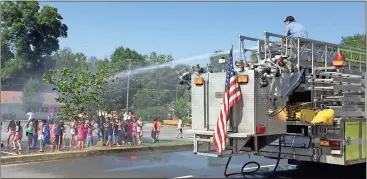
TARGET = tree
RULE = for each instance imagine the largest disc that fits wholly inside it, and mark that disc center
(181, 107)
(65, 58)
(80, 90)
(214, 61)
(32, 97)
(154, 58)
(253, 58)
(157, 87)
(114, 96)
(100, 83)
(150, 113)
(74, 89)
(122, 56)
(356, 41)
(92, 63)
(6, 54)
(29, 33)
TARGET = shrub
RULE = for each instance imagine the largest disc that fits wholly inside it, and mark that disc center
(187, 121)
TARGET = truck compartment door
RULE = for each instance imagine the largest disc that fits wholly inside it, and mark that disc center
(352, 133)
(215, 97)
(198, 106)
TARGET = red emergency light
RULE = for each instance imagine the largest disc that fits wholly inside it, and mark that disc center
(260, 129)
(339, 60)
(335, 145)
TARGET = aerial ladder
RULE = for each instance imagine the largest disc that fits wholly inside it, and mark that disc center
(304, 100)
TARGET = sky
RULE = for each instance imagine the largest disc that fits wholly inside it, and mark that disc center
(185, 29)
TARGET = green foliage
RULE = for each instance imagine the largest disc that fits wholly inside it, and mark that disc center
(122, 56)
(32, 97)
(154, 58)
(100, 81)
(181, 107)
(150, 113)
(114, 96)
(214, 61)
(187, 121)
(187, 95)
(65, 58)
(78, 89)
(253, 59)
(29, 34)
(356, 41)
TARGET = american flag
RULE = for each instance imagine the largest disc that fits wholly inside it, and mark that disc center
(232, 95)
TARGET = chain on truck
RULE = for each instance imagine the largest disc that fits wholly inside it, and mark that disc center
(304, 100)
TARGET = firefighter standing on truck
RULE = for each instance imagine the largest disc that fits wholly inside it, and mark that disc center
(294, 29)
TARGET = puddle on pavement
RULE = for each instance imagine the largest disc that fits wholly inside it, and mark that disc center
(184, 159)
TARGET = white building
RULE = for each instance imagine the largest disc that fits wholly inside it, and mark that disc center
(11, 102)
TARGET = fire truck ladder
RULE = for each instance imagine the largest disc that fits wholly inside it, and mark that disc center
(306, 53)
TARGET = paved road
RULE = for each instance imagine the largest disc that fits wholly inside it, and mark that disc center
(162, 165)
(168, 133)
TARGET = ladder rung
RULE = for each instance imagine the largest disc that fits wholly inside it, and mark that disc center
(338, 74)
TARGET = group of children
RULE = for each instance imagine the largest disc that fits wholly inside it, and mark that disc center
(81, 133)
(118, 131)
(35, 131)
(121, 131)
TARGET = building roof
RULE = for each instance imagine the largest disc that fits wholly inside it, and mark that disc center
(15, 97)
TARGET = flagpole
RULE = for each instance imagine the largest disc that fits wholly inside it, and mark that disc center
(230, 123)
(240, 46)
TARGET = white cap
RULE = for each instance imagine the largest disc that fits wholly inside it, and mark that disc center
(281, 56)
(278, 57)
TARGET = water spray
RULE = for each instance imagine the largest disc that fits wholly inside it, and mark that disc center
(185, 75)
(124, 74)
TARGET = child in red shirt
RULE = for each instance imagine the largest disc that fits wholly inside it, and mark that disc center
(154, 130)
(129, 132)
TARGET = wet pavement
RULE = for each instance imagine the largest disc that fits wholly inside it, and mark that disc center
(167, 165)
(168, 133)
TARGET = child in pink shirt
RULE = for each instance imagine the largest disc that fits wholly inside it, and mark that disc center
(134, 131)
(81, 136)
(53, 134)
(90, 128)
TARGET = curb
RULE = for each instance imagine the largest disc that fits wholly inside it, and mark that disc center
(97, 152)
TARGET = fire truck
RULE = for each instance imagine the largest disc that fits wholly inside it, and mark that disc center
(304, 100)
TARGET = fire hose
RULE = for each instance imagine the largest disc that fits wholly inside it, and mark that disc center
(244, 174)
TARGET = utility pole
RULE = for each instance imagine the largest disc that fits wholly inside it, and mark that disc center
(176, 92)
(128, 86)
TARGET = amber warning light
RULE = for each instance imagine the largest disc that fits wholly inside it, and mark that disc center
(242, 78)
(334, 145)
(339, 60)
(324, 143)
(199, 81)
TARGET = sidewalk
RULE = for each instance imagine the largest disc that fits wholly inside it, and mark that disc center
(167, 135)
(172, 146)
